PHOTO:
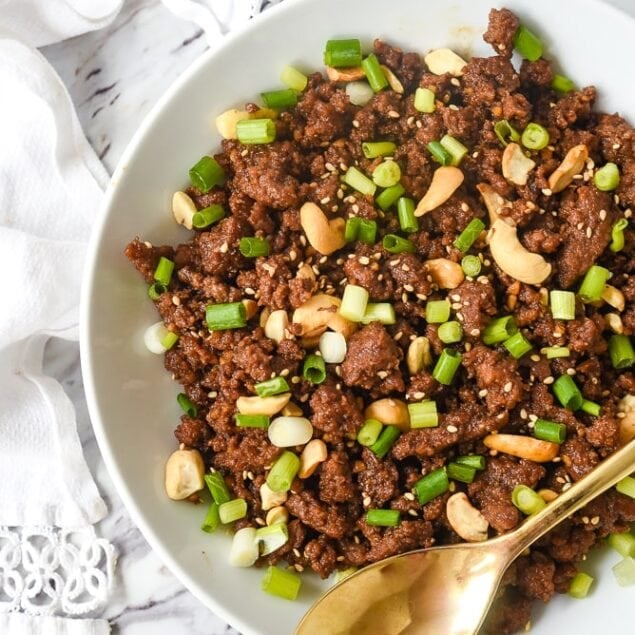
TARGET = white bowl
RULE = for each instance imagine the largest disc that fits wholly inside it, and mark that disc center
(131, 397)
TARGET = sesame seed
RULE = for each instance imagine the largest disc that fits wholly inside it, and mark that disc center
(409, 496)
(456, 306)
(409, 288)
(419, 124)
(176, 301)
(412, 512)
(548, 380)
(410, 120)
(566, 486)
(363, 260)
(382, 374)
(405, 267)
(483, 393)
(602, 214)
(628, 213)
(244, 153)
(508, 387)
(404, 298)
(523, 413)
(148, 244)
(475, 332)
(452, 429)
(355, 123)
(212, 394)
(589, 232)
(535, 358)
(453, 107)
(533, 418)
(249, 291)
(616, 146)
(367, 501)
(595, 520)
(455, 297)
(585, 520)
(571, 371)
(580, 226)
(547, 192)
(393, 114)
(223, 248)
(455, 82)
(295, 379)
(343, 167)
(418, 395)
(325, 200)
(465, 207)
(459, 317)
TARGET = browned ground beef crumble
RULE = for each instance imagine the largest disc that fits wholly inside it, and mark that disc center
(265, 188)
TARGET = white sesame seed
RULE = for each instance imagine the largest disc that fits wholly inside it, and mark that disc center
(602, 214)
(475, 332)
(367, 501)
(412, 512)
(355, 123)
(523, 413)
(508, 387)
(453, 107)
(223, 248)
(418, 395)
(483, 393)
(409, 496)
(571, 371)
(628, 213)
(409, 288)
(393, 114)
(452, 429)
(212, 394)
(455, 82)
(547, 192)
(363, 260)
(535, 358)
(548, 380)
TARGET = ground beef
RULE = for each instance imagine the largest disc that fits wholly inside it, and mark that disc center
(501, 30)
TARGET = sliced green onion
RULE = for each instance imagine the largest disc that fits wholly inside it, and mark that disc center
(314, 369)
(383, 312)
(390, 196)
(499, 330)
(354, 302)
(626, 486)
(253, 247)
(252, 421)
(424, 100)
(217, 487)
(220, 317)
(446, 366)
(293, 78)
(506, 132)
(567, 392)
(169, 340)
(471, 266)
(562, 304)
(367, 232)
(406, 214)
(206, 174)
(369, 432)
(526, 500)
(208, 216)
(374, 149)
(374, 73)
(553, 352)
(359, 181)
(383, 517)
(255, 131)
(607, 178)
(283, 472)
(272, 537)
(342, 53)
(282, 583)
(624, 544)
(477, 461)
(550, 431)
(271, 387)
(593, 284)
(562, 84)
(232, 510)
(461, 472)
(156, 289)
(212, 519)
(591, 408)
(455, 149)
(517, 345)
(397, 245)
(621, 351)
(386, 439)
(186, 405)
(437, 311)
(580, 585)
(431, 486)
(423, 414)
(625, 572)
(439, 153)
(528, 44)
(387, 174)
(351, 229)
(535, 137)
(163, 272)
(467, 237)
(280, 99)
(450, 332)
(617, 235)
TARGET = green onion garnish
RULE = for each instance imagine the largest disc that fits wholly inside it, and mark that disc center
(461, 472)
(397, 245)
(477, 461)
(624, 572)
(253, 247)
(591, 408)
(535, 137)
(593, 284)
(354, 302)
(283, 472)
(206, 174)
(254, 131)
(387, 174)
(526, 500)
(217, 487)
(280, 99)
(208, 216)
(552, 352)
(617, 235)
(232, 510)
(499, 330)
(251, 421)
(281, 583)
(437, 311)
(450, 332)
(374, 149)
(624, 544)
(367, 231)
(562, 84)
(446, 366)
(454, 148)
(374, 73)
(517, 345)
(626, 486)
(163, 272)
(386, 439)
(406, 214)
(390, 196)
(221, 317)
(186, 405)
(550, 431)
(359, 181)
(567, 392)
(293, 78)
(271, 387)
(314, 369)
(169, 340)
(580, 585)
(424, 100)
(342, 53)
(562, 304)
(383, 312)
(471, 265)
(506, 132)
(156, 289)
(528, 44)
(369, 432)
(621, 351)
(423, 414)
(432, 485)
(439, 153)
(351, 229)
(383, 517)
(607, 178)
(272, 537)
(467, 237)
(212, 519)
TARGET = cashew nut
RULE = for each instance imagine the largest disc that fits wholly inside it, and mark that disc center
(270, 499)
(314, 453)
(262, 405)
(264, 316)
(319, 312)
(418, 356)
(445, 273)
(251, 307)
(614, 322)
(516, 165)
(276, 325)
(572, 164)
(393, 80)
(513, 258)
(442, 61)
(465, 519)
(184, 472)
(277, 515)
(183, 209)
(350, 74)
(305, 272)
(445, 181)
(226, 121)
(326, 236)
(626, 405)
(493, 201)
(392, 412)
(523, 447)
(292, 410)
(614, 297)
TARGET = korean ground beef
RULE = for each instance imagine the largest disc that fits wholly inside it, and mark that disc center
(493, 392)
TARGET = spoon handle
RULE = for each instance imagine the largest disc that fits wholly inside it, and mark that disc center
(609, 472)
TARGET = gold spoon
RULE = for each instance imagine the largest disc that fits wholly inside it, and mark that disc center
(447, 590)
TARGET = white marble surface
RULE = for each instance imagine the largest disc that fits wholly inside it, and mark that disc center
(114, 77)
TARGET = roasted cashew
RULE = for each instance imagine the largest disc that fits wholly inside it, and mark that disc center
(445, 273)
(324, 235)
(392, 412)
(184, 472)
(614, 297)
(270, 499)
(493, 201)
(614, 322)
(626, 405)
(350, 74)
(465, 519)
(314, 453)
(523, 447)
(251, 308)
(183, 209)
(516, 165)
(226, 121)
(319, 312)
(572, 164)
(277, 515)
(276, 326)
(393, 80)
(418, 356)
(445, 181)
(262, 405)
(442, 61)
